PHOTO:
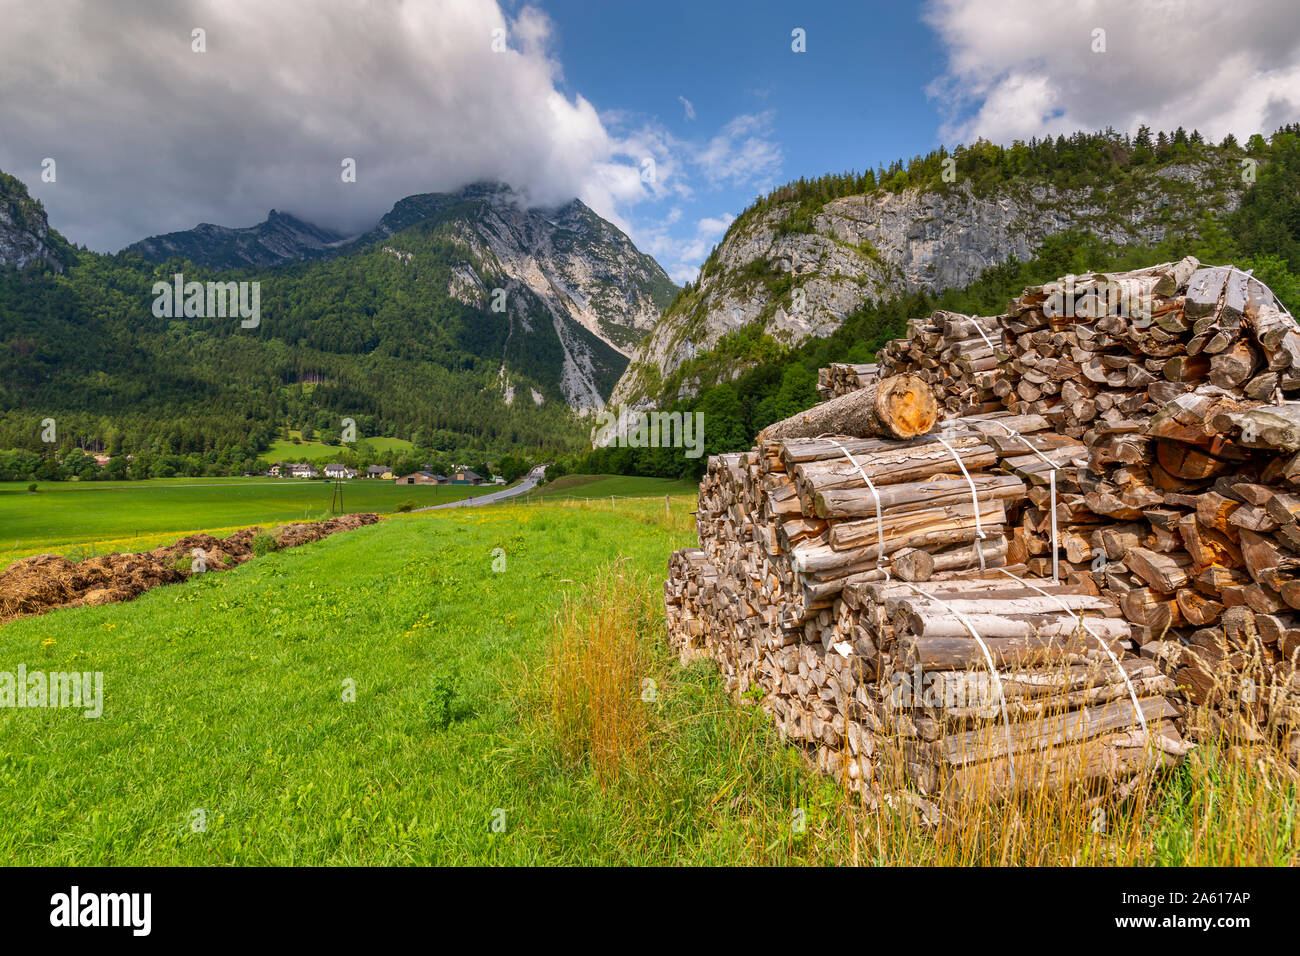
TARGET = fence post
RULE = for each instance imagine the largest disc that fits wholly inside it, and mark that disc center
(668, 508)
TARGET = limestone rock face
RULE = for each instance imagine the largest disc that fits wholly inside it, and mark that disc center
(25, 239)
(801, 280)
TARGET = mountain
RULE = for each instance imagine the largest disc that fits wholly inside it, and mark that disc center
(466, 322)
(584, 266)
(571, 267)
(281, 238)
(25, 236)
(796, 264)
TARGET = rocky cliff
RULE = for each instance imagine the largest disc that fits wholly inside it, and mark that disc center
(25, 236)
(797, 276)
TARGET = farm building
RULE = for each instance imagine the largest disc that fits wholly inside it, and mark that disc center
(464, 476)
(422, 478)
(379, 471)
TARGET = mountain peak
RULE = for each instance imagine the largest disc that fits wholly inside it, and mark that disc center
(280, 239)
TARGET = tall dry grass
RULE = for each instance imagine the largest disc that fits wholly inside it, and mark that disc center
(596, 674)
(703, 778)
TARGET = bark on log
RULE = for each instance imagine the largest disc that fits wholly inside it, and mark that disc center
(901, 406)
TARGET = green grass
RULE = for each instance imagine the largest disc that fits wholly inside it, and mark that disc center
(583, 487)
(99, 516)
(282, 450)
(225, 695)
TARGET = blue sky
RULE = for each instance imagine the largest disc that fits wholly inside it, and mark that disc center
(855, 98)
(563, 98)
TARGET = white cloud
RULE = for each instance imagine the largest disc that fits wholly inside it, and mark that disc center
(680, 255)
(742, 154)
(1022, 68)
(688, 106)
(150, 137)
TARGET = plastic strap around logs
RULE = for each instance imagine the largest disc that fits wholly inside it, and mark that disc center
(987, 340)
(880, 520)
(1012, 433)
(974, 497)
(1079, 621)
(993, 671)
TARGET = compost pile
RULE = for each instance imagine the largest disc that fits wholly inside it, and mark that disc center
(1097, 525)
(46, 581)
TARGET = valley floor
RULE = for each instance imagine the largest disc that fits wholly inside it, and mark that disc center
(483, 686)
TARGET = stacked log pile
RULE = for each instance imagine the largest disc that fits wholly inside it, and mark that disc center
(790, 542)
(1182, 508)
(1138, 421)
(841, 378)
(997, 713)
(957, 355)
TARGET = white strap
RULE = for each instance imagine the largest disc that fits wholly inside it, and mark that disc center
(988, 658)
(987, 340)
(1080, 622)
(1056, 558)
(1056, 550)
(880, 521)
(974, 497)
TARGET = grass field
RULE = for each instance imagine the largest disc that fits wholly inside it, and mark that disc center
(590, 487)
(282, 450)
(101, 516)
(500, 660)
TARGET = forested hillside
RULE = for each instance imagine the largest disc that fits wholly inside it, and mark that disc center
(404, 332)
(801, 260)
(1262, 232)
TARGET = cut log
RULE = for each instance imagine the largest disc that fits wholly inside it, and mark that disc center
(901, 406)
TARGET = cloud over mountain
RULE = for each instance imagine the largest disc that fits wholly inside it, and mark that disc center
(1022, 68)
(424, 96)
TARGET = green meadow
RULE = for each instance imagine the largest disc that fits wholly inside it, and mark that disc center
(94, 517)
(282, 450)
(227, 735)
(490, 686)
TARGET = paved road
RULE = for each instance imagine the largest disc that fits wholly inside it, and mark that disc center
(527, 484)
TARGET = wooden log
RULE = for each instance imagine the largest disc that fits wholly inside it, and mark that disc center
(912, 564)
(901, 406)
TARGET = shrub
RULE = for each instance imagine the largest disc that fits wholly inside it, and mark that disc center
(32, 486)
(406, 506)
(446, 703)
(264, 543)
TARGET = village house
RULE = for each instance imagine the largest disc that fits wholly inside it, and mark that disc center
(464, 476)
(303, 470)
(380, 471)
(337, 470)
